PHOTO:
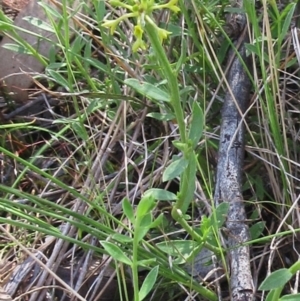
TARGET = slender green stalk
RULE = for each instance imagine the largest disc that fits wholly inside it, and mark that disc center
(186, 177)
(177, 215)
(170, 76)
(134, 267)
(295, 267)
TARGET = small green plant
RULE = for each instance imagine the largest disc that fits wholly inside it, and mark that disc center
(185, 250)
(185, 166)
(142, 221)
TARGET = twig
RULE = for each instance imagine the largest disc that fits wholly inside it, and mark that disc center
(229, 171)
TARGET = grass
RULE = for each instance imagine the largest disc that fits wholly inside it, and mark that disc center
(127, 131)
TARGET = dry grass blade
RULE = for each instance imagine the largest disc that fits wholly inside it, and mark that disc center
(4, 296)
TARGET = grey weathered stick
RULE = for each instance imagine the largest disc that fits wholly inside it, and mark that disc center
(229, 175)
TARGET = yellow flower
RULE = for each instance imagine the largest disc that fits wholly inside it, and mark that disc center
(121, 4)
(111, 24)
(163, 34)
(142, 11)
(138, 31)
(139, 43)
(172, 5)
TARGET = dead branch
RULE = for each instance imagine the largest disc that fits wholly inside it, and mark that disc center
(229, 173)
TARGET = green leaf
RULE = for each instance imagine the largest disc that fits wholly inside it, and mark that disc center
(186, 91)
(275, 280)
(93, 106)
(257, 229)
(175, 169)
(80, 131)
(77, 48)
(291, 297)
(39, 23)
(97, 64)
(148, 283)
(146, 262)
(254, 49)
(180, 145)
(157, 221)
(161, 116)
(270, 296)
(143, 218)
(58, 78)
(220, 214)
(182, 57)
(187, 184)
(205, 226)
(121, 238)
(115, 252)
(5, 21)
(142, 227)
(161, 194)
(181, 249)
(56, 65)
(177, 247)
(259, 187)
(196, 128)
(287, 22)
(148, 90)
(146, 204)
(17, 48)
(128, 210)
(175, 29)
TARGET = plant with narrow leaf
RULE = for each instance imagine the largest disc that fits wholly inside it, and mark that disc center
(142, 221)
(184, 166)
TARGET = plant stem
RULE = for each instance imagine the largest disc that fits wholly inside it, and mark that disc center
(176, 103)
(295, 267)
(134, 266)
(177, 215)
(170, 76)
